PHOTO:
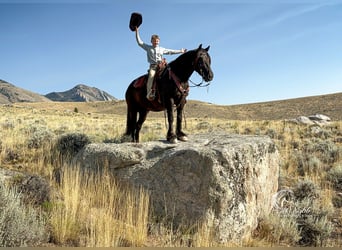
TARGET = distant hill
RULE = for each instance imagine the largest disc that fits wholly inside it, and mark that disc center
(11, 94)
(81, 93)
(329, 105)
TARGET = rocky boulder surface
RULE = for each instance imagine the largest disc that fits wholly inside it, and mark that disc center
(318, 119)
(221, 179)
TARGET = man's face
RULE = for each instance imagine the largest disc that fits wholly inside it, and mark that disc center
(155, 42)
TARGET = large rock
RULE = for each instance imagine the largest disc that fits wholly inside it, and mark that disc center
(318, 119)
(221, 179)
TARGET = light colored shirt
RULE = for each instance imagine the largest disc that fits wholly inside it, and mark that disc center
(155, 54)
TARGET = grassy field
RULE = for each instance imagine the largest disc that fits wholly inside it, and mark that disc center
(275, 110)
(88, 210)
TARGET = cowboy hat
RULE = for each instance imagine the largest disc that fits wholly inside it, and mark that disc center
(135, 21)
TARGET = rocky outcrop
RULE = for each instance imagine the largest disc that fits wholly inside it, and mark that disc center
(318, 119)
(221, 179)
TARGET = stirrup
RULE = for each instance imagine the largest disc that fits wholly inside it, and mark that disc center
(151, 96)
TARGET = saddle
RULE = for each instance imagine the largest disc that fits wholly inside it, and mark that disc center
(160, 68)
(141, 81)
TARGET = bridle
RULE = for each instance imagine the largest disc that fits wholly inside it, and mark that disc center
(178, 83)
(199, 84)
(202, 83)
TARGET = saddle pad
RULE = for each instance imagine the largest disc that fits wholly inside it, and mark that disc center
(140, 82)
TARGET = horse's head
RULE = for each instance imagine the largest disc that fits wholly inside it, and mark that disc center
(202, 63)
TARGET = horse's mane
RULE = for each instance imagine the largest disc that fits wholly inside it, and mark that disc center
(182, 65)
(184, 57)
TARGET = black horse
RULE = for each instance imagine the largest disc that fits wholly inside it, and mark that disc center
(172, 89)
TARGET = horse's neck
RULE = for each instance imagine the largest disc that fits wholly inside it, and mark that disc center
(182, 69)
(182, 72)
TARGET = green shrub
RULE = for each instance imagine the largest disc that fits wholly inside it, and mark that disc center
(272, 133)
(13, 155)
(326, 150)
(303, 219)
(312, 218)
(8, 124)
(39, 136)
(65, 148)
(277, 229)
(334, 176)
(313, 225)
(337, 201)
(70, 144)
(203, 125)
(19, 225)
(305, 190)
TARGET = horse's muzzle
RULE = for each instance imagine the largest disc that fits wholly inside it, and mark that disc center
(208, 77)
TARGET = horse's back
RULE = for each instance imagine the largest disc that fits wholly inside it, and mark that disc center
(139, 82)
(136, 96)
(136, 89)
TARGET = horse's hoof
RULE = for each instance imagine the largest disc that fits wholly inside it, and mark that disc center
(183, 138)
(173, 140)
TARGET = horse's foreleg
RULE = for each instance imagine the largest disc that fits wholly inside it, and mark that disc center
(141, 120)
(180, 134)
(171, 136)
(131, 123)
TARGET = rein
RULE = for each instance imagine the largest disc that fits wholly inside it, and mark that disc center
(199, 85)
(178, 82)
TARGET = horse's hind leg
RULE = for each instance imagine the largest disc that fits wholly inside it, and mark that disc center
(141, 120)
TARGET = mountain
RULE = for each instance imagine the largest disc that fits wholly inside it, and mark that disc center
(10, 94)
(81, 93)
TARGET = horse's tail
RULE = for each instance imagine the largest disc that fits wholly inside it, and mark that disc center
(130, 122)
(131, 112)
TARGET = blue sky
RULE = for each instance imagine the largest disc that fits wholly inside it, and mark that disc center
(261, 50)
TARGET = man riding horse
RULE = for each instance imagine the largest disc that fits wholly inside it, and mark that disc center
(155, 58)
(172, 85)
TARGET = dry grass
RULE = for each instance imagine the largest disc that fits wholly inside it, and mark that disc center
(275, 110)
(96, 211)
(90, 210)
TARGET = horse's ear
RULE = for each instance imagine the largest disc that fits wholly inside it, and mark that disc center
(207, 48)
(200, 46)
